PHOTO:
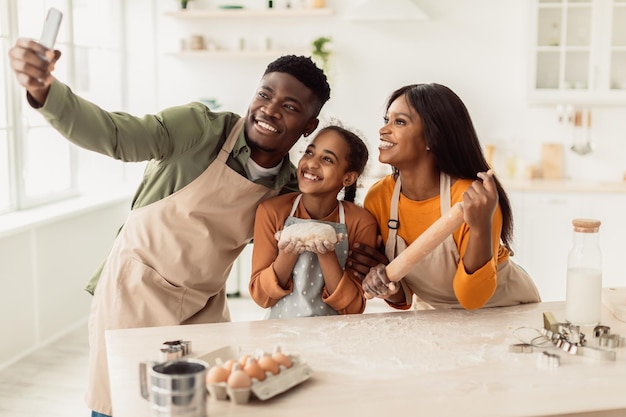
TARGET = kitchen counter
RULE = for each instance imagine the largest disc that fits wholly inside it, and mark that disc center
(540, 185)
(435, 363)
(564, 186)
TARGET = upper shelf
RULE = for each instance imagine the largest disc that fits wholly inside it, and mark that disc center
(389, 10)
(213, 13)
(236, 53)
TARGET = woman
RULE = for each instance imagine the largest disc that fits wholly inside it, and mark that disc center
(430, 141)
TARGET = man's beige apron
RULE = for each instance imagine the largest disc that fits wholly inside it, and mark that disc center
(430, 282)
(170, 261)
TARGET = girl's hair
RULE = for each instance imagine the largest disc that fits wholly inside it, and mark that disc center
(452, 139)
(357, 156)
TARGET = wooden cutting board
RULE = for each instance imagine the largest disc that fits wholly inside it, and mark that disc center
(552, 161)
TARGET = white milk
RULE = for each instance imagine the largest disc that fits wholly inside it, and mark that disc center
(583, 299)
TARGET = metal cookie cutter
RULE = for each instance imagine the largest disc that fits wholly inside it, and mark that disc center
(521, 348)
(547, 360)
(174, 349)
(568, 337)
(601, 330)
(604, 338)
(611, 341)
(598, 353)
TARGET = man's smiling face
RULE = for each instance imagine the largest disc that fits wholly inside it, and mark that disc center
(281, 111)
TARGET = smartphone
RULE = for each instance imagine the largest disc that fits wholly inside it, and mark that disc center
(51, 28)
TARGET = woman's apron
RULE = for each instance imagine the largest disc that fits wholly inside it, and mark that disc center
(430, 281)
(308, 282)
(171, 259)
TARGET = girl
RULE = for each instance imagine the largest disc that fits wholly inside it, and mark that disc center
(297, 283)
(429, 140)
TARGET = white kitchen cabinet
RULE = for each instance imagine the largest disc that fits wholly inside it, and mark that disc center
(543, 233)
(578, 52)
(609, 208)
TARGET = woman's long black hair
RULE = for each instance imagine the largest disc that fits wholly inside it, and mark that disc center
(452, 139)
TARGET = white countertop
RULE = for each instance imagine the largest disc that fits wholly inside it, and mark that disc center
(432, 363)
(564, 186)
(541, 185)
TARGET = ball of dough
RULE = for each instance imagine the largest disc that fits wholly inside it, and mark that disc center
(308, 232)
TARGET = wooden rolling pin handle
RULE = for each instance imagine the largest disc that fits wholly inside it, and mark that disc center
(425, 243)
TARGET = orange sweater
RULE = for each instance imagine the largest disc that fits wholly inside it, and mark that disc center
(270, 217)
(472, 290)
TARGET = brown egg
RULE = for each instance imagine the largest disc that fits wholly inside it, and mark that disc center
(217, 374)
(269, 364)
(243, 360)
(238, 378)
(281, 358)
(228, 365)
(253, 369)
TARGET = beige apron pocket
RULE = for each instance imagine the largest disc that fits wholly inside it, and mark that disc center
(145, 298)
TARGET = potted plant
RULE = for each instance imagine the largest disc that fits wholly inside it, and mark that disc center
(184, 3)
(320, 51)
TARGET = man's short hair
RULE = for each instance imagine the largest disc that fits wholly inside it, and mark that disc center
(305, 71)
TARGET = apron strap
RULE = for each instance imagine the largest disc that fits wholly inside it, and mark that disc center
(342, 215)
(230, 141)
(295, 205)
(394, 224)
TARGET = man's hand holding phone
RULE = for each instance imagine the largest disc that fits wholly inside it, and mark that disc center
(34, 61)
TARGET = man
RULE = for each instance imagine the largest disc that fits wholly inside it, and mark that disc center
(193, 212)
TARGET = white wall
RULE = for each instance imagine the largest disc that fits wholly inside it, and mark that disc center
(44, 267)
(478, 48)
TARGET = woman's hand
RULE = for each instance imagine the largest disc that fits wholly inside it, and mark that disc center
(33, 64)
(362, 258)
(480, 201)
(377, 284)
(479, 204)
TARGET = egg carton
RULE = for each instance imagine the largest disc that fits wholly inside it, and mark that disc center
(273, 385)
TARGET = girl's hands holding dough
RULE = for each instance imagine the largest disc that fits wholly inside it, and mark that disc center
(310, 236)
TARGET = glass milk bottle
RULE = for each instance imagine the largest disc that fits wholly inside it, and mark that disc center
(583, 298)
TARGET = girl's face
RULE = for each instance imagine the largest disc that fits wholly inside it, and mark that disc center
(324, 166)
(402, 140)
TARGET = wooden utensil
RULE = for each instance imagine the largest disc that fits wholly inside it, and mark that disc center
(424, 244)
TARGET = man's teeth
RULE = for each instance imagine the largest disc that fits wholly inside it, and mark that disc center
(267, 127)
(383, 144)
(310, 176)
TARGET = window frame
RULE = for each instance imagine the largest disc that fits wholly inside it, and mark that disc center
(16, 107)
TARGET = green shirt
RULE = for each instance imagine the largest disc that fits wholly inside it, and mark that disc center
(179, 142)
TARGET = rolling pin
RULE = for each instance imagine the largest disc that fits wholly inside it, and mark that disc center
(424, 244)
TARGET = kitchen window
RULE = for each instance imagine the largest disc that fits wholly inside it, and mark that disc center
(37, 165)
